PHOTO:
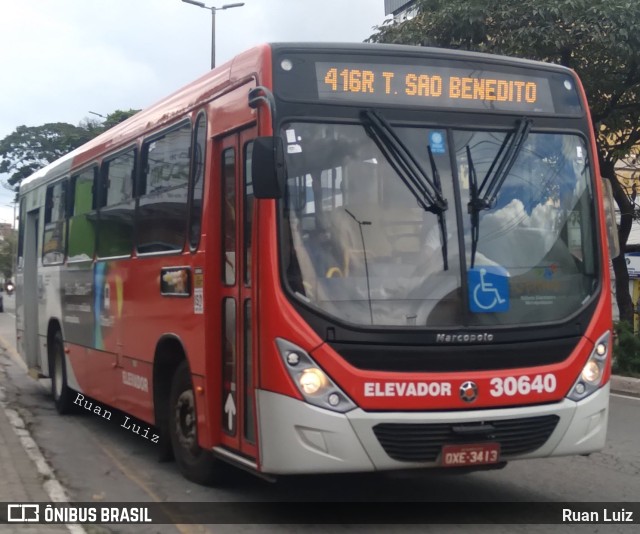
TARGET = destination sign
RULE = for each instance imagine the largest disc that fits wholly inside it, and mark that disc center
(435, 86)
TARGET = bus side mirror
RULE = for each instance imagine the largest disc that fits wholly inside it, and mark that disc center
(610, 219)
(267, 167)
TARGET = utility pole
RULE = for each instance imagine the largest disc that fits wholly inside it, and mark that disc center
(213, 22)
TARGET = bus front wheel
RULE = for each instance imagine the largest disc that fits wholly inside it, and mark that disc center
(62, 394)
(195, 463)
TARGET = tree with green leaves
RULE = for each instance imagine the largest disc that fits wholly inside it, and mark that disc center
(8, 246)
(599, 39)
(30, 148)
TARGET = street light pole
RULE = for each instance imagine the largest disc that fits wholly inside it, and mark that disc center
(213, 22)
(213, 38)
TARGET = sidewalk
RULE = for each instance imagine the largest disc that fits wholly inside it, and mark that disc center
(625, 385)
(19, 478)
(25, 476)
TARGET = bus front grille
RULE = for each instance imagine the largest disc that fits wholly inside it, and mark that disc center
(417, 442)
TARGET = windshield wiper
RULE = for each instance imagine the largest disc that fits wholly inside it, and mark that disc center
(366, 264)
(427, 191)
(442, 221)
(474, 210)
(484, 197)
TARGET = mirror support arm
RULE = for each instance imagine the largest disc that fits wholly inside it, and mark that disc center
(261, 94)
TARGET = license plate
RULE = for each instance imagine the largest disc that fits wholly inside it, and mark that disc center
(470, 454)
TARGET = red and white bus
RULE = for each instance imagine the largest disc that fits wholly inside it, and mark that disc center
(324, 258)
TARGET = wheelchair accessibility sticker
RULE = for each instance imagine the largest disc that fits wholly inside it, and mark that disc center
(436, 142)
(488, 289)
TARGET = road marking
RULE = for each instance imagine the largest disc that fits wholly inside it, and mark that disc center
(131, 475)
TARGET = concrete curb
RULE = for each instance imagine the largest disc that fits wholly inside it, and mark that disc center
(50, 484)
(52, 487)
(625, 385)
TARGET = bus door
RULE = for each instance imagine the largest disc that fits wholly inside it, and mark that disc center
(238, 412)
(30, 290)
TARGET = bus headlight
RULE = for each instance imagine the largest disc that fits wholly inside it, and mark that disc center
(591, 373)
(312, 382)
(591, 376)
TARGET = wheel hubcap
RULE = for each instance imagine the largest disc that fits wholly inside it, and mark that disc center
(186, 420)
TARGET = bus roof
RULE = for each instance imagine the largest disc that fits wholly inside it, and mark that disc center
(154, 117)
(419, 51)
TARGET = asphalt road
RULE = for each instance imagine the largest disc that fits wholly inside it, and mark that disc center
(99, 461)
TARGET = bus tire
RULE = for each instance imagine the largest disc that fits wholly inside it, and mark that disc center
(62, 394)
(195, 463)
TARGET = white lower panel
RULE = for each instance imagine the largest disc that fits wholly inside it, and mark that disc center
(297, 438)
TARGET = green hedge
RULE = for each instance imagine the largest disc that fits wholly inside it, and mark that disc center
(626, 350)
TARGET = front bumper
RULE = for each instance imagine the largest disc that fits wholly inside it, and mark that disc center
(297, 438)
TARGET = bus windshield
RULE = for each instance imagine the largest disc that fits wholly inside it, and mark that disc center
(360, 245)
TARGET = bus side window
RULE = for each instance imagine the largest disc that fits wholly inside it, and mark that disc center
(247, 223)
(82, 216)
(162, 209)
(229, 215)
(115, 220)
(55, 224)
(21, 224)
(197, 170)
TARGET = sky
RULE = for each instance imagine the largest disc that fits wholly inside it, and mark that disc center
(61, 59)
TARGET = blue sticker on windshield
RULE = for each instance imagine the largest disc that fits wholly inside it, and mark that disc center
(437, 142)
(488, 289)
